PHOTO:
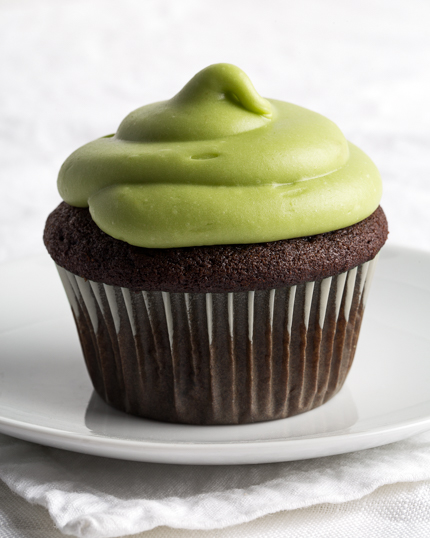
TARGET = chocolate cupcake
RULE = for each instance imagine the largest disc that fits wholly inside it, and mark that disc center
(217, 253)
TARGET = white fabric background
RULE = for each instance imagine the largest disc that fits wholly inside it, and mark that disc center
(393, 511)
(71, 70)
(94, 497)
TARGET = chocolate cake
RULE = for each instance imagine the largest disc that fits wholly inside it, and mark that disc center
(161, 359)
(76, 243)
(217, 253)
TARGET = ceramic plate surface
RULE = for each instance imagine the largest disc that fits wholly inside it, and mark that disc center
(46, 395)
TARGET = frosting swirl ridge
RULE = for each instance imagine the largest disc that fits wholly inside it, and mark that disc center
(218, 164)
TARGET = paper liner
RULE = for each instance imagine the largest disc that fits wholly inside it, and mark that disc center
(219, 358)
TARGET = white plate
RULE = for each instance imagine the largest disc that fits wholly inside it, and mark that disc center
(46, 395)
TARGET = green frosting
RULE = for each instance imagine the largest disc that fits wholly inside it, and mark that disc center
(218, 164)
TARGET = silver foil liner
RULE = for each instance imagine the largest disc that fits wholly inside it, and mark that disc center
(219, 358)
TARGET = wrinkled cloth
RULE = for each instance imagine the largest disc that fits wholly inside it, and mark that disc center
(394, 511)
(94, 497)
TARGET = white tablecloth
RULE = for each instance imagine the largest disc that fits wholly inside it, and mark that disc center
(394, 511)
(94, 497)
(71, 70)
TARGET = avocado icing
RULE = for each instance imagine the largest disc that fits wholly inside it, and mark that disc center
(219, 164)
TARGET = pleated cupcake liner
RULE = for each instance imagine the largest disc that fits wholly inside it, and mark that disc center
(220, 358)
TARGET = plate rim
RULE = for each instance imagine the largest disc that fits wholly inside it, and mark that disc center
(156, 450)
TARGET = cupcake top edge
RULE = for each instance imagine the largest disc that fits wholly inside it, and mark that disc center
(219, 164)
(77, 244)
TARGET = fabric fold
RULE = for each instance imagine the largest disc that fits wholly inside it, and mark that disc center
(94, 497)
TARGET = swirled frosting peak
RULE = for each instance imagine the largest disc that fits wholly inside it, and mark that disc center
(219, 101)
(219, 164)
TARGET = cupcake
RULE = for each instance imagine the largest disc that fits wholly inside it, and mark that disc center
(217, 253)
